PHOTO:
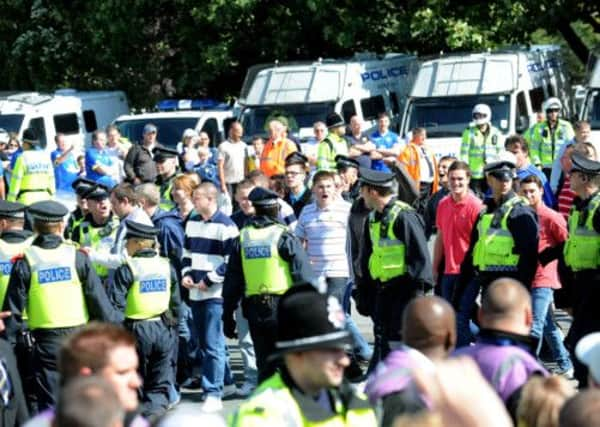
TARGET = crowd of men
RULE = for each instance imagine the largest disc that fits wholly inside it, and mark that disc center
(113, 309)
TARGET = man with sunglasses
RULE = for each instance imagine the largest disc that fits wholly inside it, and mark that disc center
(547, 137)
(481, 144)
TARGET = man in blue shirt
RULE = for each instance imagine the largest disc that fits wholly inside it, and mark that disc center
(99, 164)
(66, 169)
(387, 144)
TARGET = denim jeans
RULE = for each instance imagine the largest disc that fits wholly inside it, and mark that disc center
(188, 360)
(447, 286)
(544, 327)
(465, 328)
(361, 346)
(211, 344)
(246, 348)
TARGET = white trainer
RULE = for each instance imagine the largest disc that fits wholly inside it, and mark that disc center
(212, 404)
(229, 390)
(246, 389)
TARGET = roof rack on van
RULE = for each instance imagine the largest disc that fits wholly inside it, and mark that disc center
(190, 104)
(31, 98)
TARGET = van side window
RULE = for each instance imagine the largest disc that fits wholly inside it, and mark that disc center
(537, 98)
(371, 107)
(89, 118)
(38, 125)
(550, 90)
(521, 118)
(348, 110)
(66, 123)
(211, 127)
(395, 104)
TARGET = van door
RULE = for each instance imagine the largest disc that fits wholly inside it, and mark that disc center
(37, 124)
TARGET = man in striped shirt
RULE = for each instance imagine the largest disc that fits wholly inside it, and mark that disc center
(209, 238)
(323, 226)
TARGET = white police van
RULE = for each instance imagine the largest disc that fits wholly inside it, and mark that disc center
(514, 83)
(306, 92)
(175, 116)
(590, 109)
(74, 113)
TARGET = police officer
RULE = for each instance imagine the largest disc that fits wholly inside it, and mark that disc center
(32, 178)
(395, 259)
(266, 261)
(481, 144)
(60, 290)
(333, 144)
(503, 243)
(146, 290)
(81, 186)
(547, 137)
(582, 254)
(347, 168)
(166, 165)
(309, 390)
(98, 230)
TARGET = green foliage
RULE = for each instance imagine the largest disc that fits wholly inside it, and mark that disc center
(189, 48)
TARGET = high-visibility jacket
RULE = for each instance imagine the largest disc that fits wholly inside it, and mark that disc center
(166, 200)
(99, 238)
(582, 248)
(150, 293)
(32, 178)
(410, 157)
(265, 272)
(388, 259)
(545, 144)
(7, 252)
(272, 159)
(55, 298)
(327, 149)
(477, 148)
(273, 404)
(494, 249)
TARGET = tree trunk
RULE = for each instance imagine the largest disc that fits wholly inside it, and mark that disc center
(575, 43)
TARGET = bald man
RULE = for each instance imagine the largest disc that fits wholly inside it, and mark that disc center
(428, 328)
(504, 347)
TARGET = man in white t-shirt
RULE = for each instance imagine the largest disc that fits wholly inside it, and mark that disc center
(232, 154)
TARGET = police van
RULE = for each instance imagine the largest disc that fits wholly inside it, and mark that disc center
(176, 115)
(306, 92)
(514, 83)
(73, 113)
(590, 109)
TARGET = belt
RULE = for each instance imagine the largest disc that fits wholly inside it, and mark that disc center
(33, 190)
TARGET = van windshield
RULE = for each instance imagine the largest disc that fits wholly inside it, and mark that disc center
(254, 119)
(449, 116)
(593, 109)
(169, 129)
(11, 122)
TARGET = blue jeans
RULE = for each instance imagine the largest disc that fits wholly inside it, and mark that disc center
(544, 327)
(465, 328)
(361, 346)
(211, 344)
(447, 285)
(188, 359)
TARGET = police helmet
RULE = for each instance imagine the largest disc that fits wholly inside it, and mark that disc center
(552, 104)
(484, 114)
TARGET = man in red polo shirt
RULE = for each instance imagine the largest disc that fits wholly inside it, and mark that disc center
(455, 217)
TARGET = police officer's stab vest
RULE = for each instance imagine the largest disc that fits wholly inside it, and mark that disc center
(55, 298)
(478, 149)
(150, 293)
(38, 173)
(272, 404)
(388, 259)
(328, 149)
(7, 252)
(494, 250)
(166, 200)
(582, 248)
(545, 144)
(99, 238)
(265, 272)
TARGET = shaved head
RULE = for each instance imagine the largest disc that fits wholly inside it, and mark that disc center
(429, 325)
(506, 305)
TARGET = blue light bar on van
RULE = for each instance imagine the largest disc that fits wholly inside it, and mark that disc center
(190, 104)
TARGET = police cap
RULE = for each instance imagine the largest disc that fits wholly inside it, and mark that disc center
(82, 185)
(48, 211)
(140, 231)
(334, 120)
(345, 162)
(262, 197)
(584, 165)
(296, 158)
(97, 192)
(12, 210)
(163, 153)
(30, 136)
(307, 319)
(504, 168)
(376, 178)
